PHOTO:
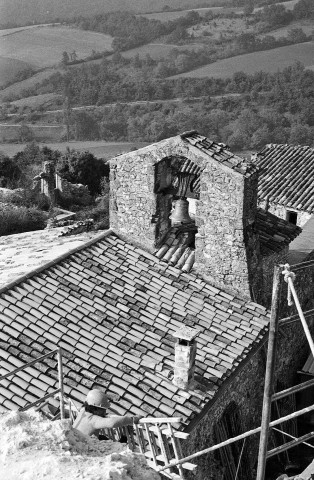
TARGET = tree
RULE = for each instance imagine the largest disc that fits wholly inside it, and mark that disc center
(86, 127)
(9, 172)
(304, 9)
(65, 58)
(25, 133)
(296, 35)
(84, 168)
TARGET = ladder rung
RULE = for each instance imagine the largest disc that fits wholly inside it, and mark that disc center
(166, 431)
(172, 476)
(161, 458)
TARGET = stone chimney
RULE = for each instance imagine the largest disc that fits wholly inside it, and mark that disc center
(185, 353)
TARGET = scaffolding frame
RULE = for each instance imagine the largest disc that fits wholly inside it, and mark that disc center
(269, 396)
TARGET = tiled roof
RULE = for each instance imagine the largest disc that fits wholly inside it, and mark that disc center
(219, 152)
(274, 232)
(113, 308)
(22, 253)
(178, 248)
(287, 176)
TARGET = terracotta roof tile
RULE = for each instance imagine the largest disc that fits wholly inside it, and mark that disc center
(286, 176)
(116, 342)
(274, 232)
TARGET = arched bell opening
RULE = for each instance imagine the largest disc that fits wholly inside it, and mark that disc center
(176, 186)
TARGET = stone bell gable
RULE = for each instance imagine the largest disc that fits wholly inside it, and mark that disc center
(145, 184)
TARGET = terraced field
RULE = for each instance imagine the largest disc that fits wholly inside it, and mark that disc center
(306, 25)
(169, 16)
(9, 68)
(100, 149)
(43, 46)
(158, 50)
(268, 61)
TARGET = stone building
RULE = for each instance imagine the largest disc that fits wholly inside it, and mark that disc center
(157, 311)
(286, 181)
(50, 186)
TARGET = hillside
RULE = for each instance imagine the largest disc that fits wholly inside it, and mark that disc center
(43, 46)
(34, 447)
(269, 61)
(42, 11)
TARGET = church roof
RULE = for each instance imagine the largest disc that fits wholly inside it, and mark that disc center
(286, 176)
(114, 308)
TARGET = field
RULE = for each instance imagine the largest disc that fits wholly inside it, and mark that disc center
(169, 16)
(9, 68)
(306, 25)
(221, 27)
(43, 46)
(158, 50)
(44, 100)
(100, 149)
(289, 5)
(10, 133)
(17, 88)
(44, 11)
(268, 61)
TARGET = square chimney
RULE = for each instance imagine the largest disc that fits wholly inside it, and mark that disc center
(185, 353)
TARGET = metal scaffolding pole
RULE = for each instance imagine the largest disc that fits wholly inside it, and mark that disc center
(270, 365)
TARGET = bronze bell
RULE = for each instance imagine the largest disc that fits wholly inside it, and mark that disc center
(180, 213)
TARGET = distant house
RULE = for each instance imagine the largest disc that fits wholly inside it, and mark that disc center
(286, 181)
(118, 301)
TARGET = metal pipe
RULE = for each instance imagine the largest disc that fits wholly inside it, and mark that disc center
(301, 315)
(60, 375)
(291, 390)
(30, 405)
(28, 364)
(294, 318)
(291, 444)
(270, 366)
(291, 436)
(296, 414)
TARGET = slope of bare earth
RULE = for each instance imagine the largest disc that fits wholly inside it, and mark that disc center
(267, 61)
(34, 447)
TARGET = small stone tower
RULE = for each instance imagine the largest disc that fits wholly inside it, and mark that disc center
(145, 184)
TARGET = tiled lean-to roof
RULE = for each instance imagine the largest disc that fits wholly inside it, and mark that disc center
(113, 308)
(274, 232)
(287, 176)
(178, 247)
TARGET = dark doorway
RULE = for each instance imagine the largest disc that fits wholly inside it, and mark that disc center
(292, 217)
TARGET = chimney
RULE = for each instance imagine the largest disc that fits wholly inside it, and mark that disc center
(185, 353)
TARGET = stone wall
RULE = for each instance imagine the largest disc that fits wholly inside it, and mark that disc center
(227, 248)
(58, 191)
(246, 391)
(263, 293)
(281, 212)
(71, 193)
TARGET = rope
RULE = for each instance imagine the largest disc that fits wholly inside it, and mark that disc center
(288, 274)
(239, 462)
